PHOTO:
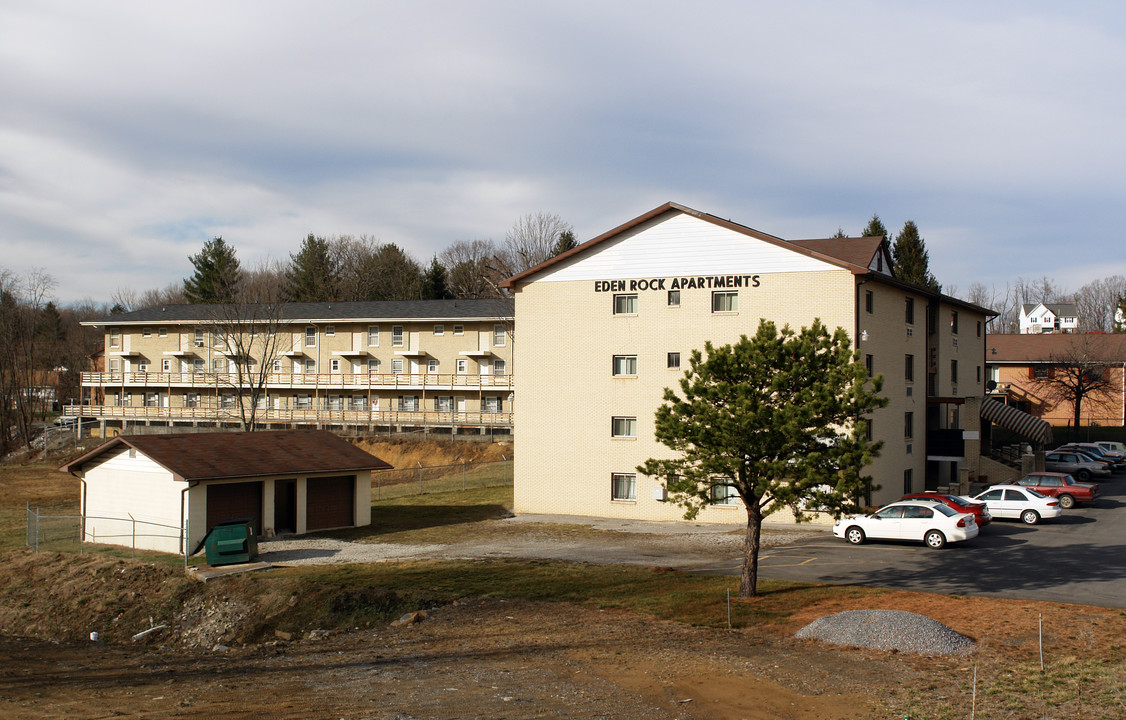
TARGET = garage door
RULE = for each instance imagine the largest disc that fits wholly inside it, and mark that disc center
(234, 500)
(330, 502)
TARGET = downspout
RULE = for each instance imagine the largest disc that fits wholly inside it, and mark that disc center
(83, 481)
(183, 522)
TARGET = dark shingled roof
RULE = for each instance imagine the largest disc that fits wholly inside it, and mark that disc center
(1054, 347)
(473, 309)
(227, 455)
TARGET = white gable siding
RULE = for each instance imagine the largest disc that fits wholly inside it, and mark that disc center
(121, 490)
(681, 245)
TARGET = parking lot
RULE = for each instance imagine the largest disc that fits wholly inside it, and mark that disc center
(1078, 558)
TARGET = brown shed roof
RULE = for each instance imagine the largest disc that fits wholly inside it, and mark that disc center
(1052, 347)
(225, 455)
(854, 251)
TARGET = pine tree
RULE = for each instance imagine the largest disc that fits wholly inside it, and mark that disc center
(874, 228)
(911, 258)
(313, 274)
(217, 274)
(565, 242)
(434, 282)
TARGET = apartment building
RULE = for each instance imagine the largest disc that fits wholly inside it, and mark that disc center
(432, 365)
(629, 306)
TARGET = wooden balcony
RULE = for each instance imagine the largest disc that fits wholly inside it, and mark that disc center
(295, 416)
(338, 381)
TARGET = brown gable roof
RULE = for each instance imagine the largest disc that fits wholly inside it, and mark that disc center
(1052, 347)
(219, 455)
(854, 251)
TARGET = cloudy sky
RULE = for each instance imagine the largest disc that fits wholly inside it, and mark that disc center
(131, 132)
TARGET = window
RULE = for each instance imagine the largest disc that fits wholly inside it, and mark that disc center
(373, 366)
(908, 424)
(432, 366)
(334, 365)
(444, 403)
(408, 403)
(330, 331)
(304, 402)
(146, 332)
(674, 298)
(357, 402)
(227, 401)
(397, 336)
(163, 332)
(625, 365)
(954, 371)
(979, 328)
(310, 337)
(373, 336)
(114, 365)
(1040, 373)
(310, 365)
(397, 366)
(910, 311)
(115, 337)
(623, 427)
(198, 339)
(723, 493)
(498, 335)
(493, 405)
(723, 302)
(907, 480)
(462, 366)
(869, 364)
(954, 321)
(439, 329)
(152, 399)
(623, 486)
(198, 365)
(498, 367)
(674, 361)
(625, 304)
(909, 368)
(978, 374)
(334, 402)
(459, 329)
(219, 365)
(867, 429)
(166, 365)
(277, 365)
(191, 400)
(217, 339)
(142, 366)
(868, 301)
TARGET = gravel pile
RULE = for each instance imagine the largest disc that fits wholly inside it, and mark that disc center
(888, 630)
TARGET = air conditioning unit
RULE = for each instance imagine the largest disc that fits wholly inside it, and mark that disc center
(660, 494)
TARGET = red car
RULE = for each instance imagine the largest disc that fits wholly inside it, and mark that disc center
(979, 510)
(1060, 486)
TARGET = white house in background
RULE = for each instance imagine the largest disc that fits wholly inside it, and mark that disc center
(1048, 318)
(166, 492)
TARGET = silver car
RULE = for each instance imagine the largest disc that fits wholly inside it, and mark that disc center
(1075, 464)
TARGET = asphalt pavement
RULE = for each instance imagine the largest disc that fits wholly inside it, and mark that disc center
(1077, 558)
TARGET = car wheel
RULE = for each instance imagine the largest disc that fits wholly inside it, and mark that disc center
(854, 535)
(1066, 502)
(934, 539)
(1083, 475)
(1030, 517)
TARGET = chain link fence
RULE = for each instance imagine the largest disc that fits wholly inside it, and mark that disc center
(60, 528)
(388, 484)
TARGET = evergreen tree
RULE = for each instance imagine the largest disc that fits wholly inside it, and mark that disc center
(217, 274)
(775, 420)
(911, 258)
(434, 282)
(313, 274)
(565, 242)
(874, 228)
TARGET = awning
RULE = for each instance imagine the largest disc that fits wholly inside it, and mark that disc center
(1018, 421)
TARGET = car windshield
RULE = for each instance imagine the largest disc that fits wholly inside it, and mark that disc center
(1030, 491)
(945, 510)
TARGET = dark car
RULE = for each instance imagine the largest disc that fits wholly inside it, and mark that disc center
(979, 510)
(1113, 460)
(1060, 486)
(1079, 465)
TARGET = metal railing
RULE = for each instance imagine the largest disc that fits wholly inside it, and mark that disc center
(323, 416)
(53, 528)
(375, 381)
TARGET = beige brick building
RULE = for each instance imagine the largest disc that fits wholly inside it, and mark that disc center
(435, 365)
(607, 326)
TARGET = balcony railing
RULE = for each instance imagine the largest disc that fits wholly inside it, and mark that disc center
(437, 381)
(302, 416)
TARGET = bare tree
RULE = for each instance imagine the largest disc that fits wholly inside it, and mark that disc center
(1079, 372)
(22, 301)
(531, 241)
(1096, 301)
(251, 335)
(472, 268)
(371, 270)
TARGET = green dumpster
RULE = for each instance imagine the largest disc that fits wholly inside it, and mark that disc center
(232, 541)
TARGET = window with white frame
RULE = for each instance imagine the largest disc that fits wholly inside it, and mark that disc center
(334, 365)
(397, 336)
(432, 365)
(115, 337)
(166, 365)
(674, 298)
(493, 405)
(310, 337)
(459, 329)
(114, 365)
(358, 402)
(310, 366)
(444, 403)
(219, 365)
(198, 365)
(227, 401)
(263, 402)
(625, 304)
(304, 402)
(277, 365)
(151, 399)
(397, 366)
(623, 486)
(724, 301)
(498, 367)
(334, 402)
(408, 403)
(623, 427)
(723, 493)
(197, 337)
(191, 400)
(373, 366)
(330, 331)
(142, 366)
(373, 336)
(439, 329)
(163, 332)
(498, 335)
(625, 365)
(146, 332)
(462, 366)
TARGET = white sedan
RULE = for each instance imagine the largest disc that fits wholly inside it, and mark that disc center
(1014, 501)
(927, 522)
